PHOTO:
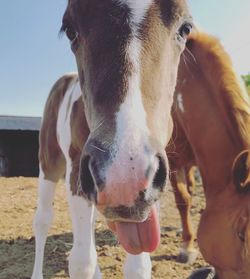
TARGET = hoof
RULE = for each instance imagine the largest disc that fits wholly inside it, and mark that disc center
(204, 273)
(187, 257)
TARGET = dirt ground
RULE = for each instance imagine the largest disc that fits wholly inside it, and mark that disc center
(17, 206)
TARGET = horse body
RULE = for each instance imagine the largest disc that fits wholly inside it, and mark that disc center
(63, 134)
(212, 119)
(106, 129)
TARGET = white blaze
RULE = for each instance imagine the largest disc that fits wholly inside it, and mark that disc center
(126, 174)
(138, 8)
(131, 117)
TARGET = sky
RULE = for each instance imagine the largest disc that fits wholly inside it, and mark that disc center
(33, 57)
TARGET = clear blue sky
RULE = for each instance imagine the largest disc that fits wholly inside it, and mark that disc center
(32, 56)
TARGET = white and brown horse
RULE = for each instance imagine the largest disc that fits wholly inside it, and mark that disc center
(211, 115)
(106, 128)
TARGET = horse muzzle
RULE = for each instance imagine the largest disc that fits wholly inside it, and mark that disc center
(122, 187)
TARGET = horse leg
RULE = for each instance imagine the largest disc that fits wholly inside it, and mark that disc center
(83, 256)
(42, 221)
(190, 178)
(188, 253)
(137, 266)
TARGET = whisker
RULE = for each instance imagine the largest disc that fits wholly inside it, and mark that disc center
(187, 61)
(191, 54)
(98, 125)
(98, 148)
(184, 59)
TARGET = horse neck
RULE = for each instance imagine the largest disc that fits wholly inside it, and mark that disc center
(232, 101)
(215, 137)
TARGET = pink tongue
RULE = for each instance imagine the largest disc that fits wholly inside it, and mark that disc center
(140, 237)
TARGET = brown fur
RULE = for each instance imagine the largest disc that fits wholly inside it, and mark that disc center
(156, 49)
(80, 132)
(50, 155)
(215, 126)
(219, 71)
(107, 81)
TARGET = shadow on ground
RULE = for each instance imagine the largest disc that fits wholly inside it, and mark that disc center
(17, 255)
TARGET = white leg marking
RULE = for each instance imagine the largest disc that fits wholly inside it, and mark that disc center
(83, 256)
(187, 255)
(42, 221)
(137, 267)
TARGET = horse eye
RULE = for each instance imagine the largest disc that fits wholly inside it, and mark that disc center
(71, 34)
(185, 30)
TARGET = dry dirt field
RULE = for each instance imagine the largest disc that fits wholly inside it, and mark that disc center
(17, 207)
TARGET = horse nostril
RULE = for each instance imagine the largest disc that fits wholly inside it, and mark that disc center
(160, 177)
(87, 181)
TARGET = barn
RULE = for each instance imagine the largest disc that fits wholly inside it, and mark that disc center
(19, 141)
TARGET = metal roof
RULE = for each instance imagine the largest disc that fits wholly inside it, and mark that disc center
(24, 123)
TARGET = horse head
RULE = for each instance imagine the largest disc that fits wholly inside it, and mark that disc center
(127, 54)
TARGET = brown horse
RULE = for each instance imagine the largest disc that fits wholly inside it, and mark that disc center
(211, 115)
(105, 130)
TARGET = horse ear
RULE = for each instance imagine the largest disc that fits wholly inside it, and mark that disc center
(241, 172)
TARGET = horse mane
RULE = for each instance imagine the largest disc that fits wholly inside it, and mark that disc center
(216, 65)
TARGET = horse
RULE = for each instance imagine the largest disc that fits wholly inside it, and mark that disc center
(105, 129)
(211, 115)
